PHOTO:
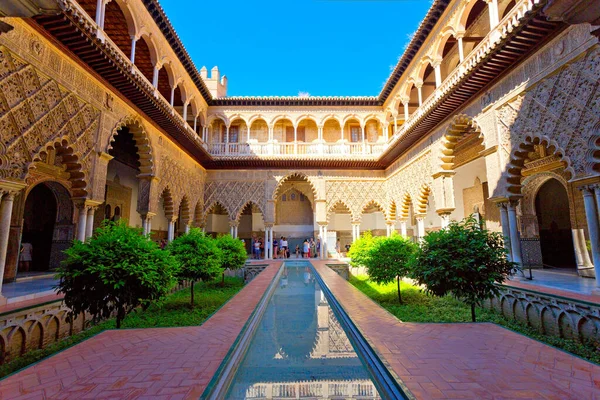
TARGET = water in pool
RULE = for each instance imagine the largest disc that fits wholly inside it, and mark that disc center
(299, 349)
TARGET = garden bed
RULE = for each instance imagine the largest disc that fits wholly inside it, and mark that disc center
(173, 312)
(419, 307)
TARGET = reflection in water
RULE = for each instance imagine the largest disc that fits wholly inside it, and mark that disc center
(299, 349)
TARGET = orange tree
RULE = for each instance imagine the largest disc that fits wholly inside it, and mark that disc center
(198, 256)
(464, 260)
(117, 269)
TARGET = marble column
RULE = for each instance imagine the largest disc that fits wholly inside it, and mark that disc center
(505, 227)
(187, 228)
(591, 216)
(6, 207)
(420, 226)
(81, 222)
(89, 227)
(270, 243)
(266, 256)
(171, 229)
(403, 231)
(324, 242)
(355, 231)
(445, 218)
(515, 241)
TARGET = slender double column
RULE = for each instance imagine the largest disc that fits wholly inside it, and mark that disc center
(147, 223)
(323, 237)
(390, 229)
(403, 231)
(591, 202)
(171, 229)
(268, 242)
(505, 227)
(420, 226)
(515, 239)
(355, 231)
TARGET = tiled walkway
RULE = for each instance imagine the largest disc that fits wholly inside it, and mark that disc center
(559, 284)
(161, 363)
(474, 361)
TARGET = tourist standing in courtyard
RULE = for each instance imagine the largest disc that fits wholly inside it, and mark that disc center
(26, 256)
(284, 246)
(305, 249)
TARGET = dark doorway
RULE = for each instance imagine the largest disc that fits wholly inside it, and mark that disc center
(38, 225)
(552, 211)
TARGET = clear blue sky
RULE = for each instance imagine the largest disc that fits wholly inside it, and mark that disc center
(282, 47)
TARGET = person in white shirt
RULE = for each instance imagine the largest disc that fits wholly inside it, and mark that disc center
(284, 246)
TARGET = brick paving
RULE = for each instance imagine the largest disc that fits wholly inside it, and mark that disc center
(158, 363)
(467, 361)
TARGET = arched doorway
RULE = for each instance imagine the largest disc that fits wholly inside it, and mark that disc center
(47, 225)
(552, 212)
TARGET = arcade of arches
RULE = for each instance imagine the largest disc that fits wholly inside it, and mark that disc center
(521, 152)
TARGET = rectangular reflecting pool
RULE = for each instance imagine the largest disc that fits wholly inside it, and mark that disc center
(299, 349)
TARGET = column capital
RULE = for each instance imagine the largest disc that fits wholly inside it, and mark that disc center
(234, 223)
(148, 215)
(420, 216)
(442, 212)
(104, 156)
(8, 187)
(173, 218)
(589, 188)
(268, 226)
(444, 174)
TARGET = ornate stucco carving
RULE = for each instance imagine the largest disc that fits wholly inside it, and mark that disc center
(37, 114)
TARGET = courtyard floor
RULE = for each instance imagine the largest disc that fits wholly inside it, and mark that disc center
(477, 361)
(159, 363)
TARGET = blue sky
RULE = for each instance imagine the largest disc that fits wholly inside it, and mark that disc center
(281, 48)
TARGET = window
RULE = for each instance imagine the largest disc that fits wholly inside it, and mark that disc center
(284, 198)
(355, 134)
(293, 196)
(301, 197)
(234, 134)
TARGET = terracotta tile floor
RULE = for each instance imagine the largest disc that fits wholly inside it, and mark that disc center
(467, 361)
(161, 363)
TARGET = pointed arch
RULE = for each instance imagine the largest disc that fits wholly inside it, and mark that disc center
(340, 204)
(294, 176)
(520, 154)
(405, 206)
(184, 210)
(251, 203)
(168, 203)
(72, 161)
(215, 205)
(373, 203)
(392, 211)
(142, 142)
(422, 199)
(460, 126)
(199, 220)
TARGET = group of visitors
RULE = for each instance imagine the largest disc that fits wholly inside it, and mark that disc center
(281, 248)
(310, 248)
